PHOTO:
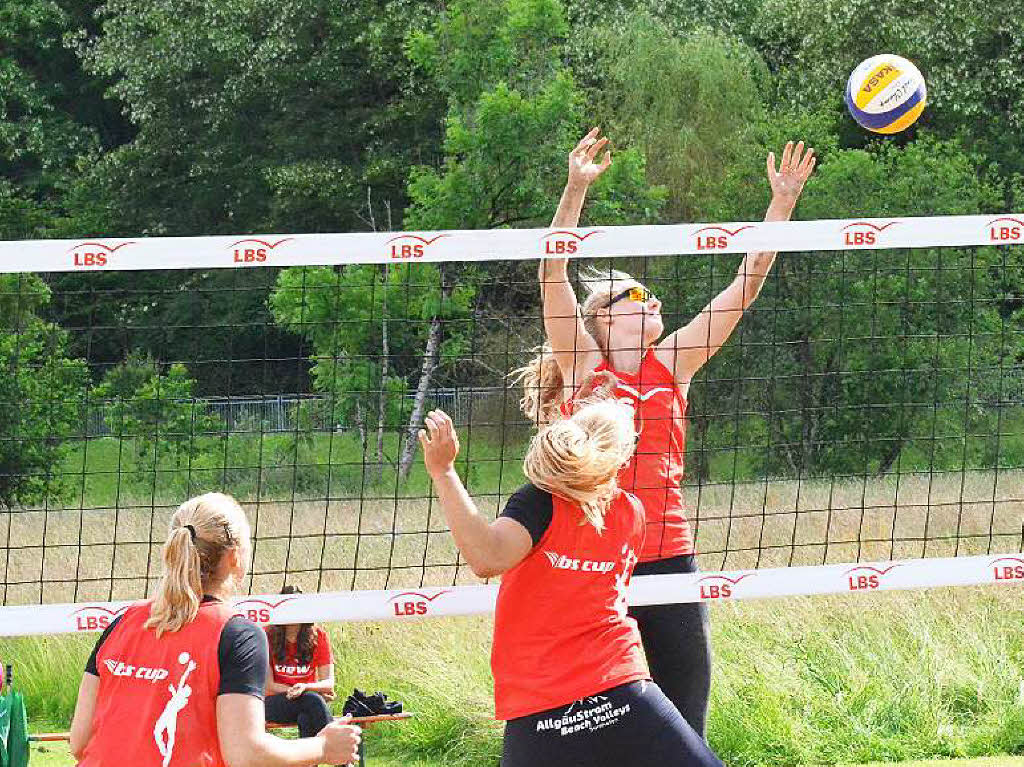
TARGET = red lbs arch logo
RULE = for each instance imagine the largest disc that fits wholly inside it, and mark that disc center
(720, 586)
(94, 254)
(565, 243)
(95, 617)
(717, 237)
(1008, 569)
(253, 251)
(407, 246)
(413, 603)
(1006, 230)
(866, 578)
(259, 610)
(864, 233)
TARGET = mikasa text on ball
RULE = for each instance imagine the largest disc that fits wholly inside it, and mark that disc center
(886, 94)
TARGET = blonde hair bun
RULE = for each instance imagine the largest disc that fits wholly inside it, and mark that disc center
(579, 457)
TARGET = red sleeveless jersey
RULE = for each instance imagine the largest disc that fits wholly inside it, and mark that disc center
(157, 700)
(561, 631)
(655, 472)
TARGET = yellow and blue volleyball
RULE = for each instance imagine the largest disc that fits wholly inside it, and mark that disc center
(886, 94)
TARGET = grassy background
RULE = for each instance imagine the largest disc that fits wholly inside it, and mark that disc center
(326, 521)
(836, 680)
(823, 680)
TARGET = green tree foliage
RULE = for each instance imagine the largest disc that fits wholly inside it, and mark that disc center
(258, 114)
(688, 102)
(850, 356)
(250, 116)
(732, 17)
(157, 412)
(135, 117)
(514, 113)
(40, 395)
(368, 328)
(51, 112)
(216, 321)
(968, 50)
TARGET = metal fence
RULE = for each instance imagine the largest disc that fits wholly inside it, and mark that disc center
(281, 412)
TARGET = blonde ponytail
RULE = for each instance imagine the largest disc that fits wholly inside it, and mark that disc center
(541, 378)
(579, 457)
(543, 387)
(202, 530)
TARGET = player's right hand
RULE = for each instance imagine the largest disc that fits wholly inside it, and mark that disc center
(341, 741)
(440, 443)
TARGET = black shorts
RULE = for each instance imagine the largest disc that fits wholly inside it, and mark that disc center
(631, 724)
(677, 643)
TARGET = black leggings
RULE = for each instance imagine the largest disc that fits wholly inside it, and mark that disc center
(631, 724)
(309, 711)
(677, 642)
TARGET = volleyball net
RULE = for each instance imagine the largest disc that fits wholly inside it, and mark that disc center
(862, 430)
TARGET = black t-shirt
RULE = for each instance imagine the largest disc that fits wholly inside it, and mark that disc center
(242, 654)
(532, 508)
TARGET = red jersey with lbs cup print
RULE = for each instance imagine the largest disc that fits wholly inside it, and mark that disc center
(156, 705)
(655, 472)
(289, 670)
(561, 631)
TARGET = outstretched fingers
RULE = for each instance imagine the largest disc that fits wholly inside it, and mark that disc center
(445, 425)
(798, 152)
(594, 149)
(787, 156)
(440, 427)
(587, 141)
(809, 161)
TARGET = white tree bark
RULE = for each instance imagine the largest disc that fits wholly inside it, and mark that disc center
(430, 358)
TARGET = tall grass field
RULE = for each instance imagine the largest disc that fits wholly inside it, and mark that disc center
(805, 681)
(327, 519)
(836, 680)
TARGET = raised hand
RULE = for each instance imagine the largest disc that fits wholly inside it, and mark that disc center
(583, 170)
(788, 179)
(440, 443)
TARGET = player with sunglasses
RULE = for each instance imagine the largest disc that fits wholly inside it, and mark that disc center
(619, 329)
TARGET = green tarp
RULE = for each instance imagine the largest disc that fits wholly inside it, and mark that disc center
(13, 731)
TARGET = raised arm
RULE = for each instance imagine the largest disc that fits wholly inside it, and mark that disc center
(490, 548)
(575, 351)
(686, 350)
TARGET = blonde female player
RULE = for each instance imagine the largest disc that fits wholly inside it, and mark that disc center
(179, 680)
(569, 674)
(619, 329)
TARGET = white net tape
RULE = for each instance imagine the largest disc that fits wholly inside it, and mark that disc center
(503, 244)
(406, 604)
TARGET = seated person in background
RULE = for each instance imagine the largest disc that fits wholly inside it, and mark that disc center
(301, 678)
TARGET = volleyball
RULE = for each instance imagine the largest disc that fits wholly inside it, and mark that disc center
(886, 94)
